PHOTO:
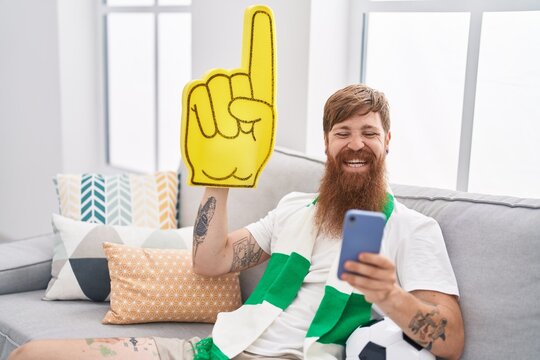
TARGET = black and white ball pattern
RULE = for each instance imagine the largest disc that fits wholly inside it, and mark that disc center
(384, 340)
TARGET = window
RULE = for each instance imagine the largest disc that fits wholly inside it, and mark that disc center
(147, 62)
(427, 52)
(463, 84)
(506, 131)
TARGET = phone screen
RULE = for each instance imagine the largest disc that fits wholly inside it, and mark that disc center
(362, 232)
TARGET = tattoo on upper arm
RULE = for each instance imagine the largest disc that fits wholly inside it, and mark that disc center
(427, 328)
(204, 215)
(246, 253)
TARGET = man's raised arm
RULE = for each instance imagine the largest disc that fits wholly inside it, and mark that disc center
(215, 251)
(228, 131)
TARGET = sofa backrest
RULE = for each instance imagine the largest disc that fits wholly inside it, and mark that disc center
(493, 243)
(286, 171)
(494, 246)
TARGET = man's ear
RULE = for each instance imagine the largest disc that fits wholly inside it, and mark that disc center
(388, 137)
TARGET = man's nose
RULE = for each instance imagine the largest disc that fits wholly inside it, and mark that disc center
(356, 143)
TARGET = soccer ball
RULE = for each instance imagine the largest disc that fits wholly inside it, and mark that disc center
(384, 340)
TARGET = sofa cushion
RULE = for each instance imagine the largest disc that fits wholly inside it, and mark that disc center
(153, 285)
(494, 246)
(28, 266)
(23, 317)
(79, 267)
(148, 200)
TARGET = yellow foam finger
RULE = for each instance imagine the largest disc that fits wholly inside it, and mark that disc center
(229, 116)
(259, 53)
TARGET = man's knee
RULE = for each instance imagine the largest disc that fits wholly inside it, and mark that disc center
(30, 350)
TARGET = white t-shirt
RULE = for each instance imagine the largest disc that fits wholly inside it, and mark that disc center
(411, 240)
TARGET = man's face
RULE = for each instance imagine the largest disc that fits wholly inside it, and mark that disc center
(357, 143)
(354, 176)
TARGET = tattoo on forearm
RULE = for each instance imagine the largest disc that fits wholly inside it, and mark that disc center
(204, 215)
(427, 328)
(246, 253)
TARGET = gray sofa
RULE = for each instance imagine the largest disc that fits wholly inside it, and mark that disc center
(493, 243)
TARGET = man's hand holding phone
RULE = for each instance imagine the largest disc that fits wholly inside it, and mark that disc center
(361, 265)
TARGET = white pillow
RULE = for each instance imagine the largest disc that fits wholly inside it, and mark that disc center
(79, 266)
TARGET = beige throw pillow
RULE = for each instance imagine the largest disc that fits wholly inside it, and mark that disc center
(154, 285)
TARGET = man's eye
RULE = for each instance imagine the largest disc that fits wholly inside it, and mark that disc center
(371, 134)
(341, 134)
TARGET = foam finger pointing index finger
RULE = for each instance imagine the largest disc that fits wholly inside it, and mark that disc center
(259, 52)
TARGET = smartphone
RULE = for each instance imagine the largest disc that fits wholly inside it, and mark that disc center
(362, 232)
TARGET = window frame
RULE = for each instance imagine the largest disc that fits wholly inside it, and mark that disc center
(360, 10)
(103, 11)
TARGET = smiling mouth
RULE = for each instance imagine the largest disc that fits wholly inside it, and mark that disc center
(231, 175)
(356, 163)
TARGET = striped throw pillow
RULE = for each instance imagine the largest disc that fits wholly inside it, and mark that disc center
(127, 199)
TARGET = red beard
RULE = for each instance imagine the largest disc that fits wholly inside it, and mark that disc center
(340, 190)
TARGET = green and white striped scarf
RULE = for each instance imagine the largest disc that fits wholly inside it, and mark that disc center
(340, 312)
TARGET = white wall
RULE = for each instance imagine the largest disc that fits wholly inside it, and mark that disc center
(30, 134)
(328, 65)
(217, 42)
(48, 106)
(82, 139)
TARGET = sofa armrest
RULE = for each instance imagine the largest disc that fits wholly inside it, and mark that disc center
(25, 265)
